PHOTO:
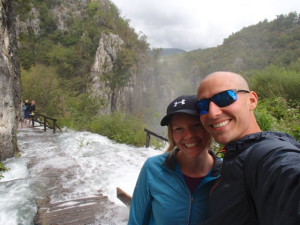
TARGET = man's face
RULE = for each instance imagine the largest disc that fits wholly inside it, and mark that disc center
(228, 123)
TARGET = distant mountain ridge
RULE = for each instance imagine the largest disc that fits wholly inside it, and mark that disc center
(166, 51)
(172, 51)
(252, 48)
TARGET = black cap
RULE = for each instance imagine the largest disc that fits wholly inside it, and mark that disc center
(182, 104)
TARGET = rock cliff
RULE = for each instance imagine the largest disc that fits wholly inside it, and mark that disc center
(106, 55)
(9, 82)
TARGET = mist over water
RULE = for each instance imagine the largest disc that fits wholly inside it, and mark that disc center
(67, 166)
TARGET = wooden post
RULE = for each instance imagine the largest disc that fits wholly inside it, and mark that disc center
(154, 134)
(45, 121)
(54, 126)
(147, 140)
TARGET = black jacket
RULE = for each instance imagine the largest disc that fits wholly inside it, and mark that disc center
(264, 190)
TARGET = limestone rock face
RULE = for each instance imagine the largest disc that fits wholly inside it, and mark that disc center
(68, 9)
(62, 11)
(109, 47)
(107, 51)
(106, 55)
(10, 89)
(31, 24)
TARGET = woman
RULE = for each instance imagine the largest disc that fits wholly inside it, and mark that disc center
(173, 188)
(27, 109)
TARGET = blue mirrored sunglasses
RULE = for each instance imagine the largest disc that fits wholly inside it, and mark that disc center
(222, 99)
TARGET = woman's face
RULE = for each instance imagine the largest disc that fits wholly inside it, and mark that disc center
(189, 135)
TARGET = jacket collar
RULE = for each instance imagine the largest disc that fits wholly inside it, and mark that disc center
(171, 162)
(248, 140)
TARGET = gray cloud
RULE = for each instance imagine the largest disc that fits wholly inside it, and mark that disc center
(195, 24)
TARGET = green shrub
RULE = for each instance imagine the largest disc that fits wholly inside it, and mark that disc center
(280, 115)
(2, 169)
(276, 81)
(157, 143)
(120, 127)
(79, 111)
(265, 120)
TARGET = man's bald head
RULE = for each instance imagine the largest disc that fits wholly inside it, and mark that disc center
(226, 76)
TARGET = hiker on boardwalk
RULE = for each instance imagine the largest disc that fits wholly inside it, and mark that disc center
(32, 112)
(29, 112)
(32, 109)
(173, 187)
(260, 177)
(22, 114)
(27, 108)
(27, 117)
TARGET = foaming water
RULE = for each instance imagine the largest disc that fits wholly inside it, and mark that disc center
(68, 166)
(17, 204)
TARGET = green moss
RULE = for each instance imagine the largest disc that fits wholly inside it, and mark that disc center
(3, 168)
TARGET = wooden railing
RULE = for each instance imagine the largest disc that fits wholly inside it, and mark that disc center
(123, 196)
(46, 121)
(149, 132)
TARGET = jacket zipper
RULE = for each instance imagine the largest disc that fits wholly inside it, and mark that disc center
(191, 202)
(186, 189)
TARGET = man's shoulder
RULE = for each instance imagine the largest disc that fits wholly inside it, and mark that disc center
(265, 139)
(271, 148)
(276, 140)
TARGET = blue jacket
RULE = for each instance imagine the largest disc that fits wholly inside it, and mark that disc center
(162, 197)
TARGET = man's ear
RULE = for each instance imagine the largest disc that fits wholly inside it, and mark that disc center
(253, 100)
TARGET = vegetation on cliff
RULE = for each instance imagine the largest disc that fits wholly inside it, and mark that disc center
(56, 64)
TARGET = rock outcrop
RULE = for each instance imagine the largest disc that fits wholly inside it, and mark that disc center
(106, 55)
(10, 89)
(110, 45)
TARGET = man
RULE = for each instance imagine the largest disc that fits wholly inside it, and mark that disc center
(260, 178)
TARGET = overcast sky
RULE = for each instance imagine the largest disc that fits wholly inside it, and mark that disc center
(194, 24)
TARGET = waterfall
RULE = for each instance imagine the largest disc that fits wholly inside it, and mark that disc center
(67, 166)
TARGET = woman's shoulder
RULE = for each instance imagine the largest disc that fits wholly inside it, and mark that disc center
(156, 160)
(159, 157)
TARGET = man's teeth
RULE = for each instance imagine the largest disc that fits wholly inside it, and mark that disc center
(221, 124)
(190, 145)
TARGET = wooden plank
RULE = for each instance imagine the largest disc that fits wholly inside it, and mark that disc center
(123, 196)
(72, 212)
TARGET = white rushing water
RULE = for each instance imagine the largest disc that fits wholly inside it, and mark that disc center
(86, 165)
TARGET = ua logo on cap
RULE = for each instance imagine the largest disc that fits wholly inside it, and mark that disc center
(182, 102)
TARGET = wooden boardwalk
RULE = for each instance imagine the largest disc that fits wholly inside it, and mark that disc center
(74, 212)
(56, 201)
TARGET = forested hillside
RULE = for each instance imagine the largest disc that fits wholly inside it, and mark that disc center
(267, 54)
(61, 42)
(58, 41)
(253, 48)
